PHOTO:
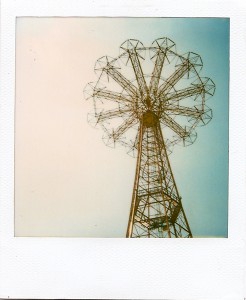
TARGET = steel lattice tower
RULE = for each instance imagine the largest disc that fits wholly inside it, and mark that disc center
(149, 114)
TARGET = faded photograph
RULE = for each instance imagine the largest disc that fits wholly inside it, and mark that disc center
(121, 127)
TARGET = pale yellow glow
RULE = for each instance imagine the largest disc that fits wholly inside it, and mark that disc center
(60, 161)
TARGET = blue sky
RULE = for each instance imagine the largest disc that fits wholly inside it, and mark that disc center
(83, 188)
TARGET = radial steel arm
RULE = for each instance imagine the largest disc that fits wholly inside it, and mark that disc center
(116, 134)
(121, 80)
(185, 111)
(109, 95)
(138, 71)
(174, 126)
(155, 77)
(182, 94)
(174, 78)
(110, 114)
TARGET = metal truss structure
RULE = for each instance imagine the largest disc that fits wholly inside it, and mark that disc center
(149, 99)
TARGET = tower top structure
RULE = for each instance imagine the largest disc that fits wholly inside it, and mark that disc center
(149, 99)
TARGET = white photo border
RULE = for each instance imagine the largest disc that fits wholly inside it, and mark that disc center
(125, 268)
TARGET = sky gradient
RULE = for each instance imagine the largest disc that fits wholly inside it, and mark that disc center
(67, 182)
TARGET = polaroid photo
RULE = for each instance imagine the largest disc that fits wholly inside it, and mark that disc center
(122, 121)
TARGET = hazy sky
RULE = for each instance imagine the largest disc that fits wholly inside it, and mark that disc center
(67, 182)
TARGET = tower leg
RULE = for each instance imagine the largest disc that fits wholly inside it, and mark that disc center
(156, 209)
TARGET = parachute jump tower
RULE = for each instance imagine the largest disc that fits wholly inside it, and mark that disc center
(149, 99)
